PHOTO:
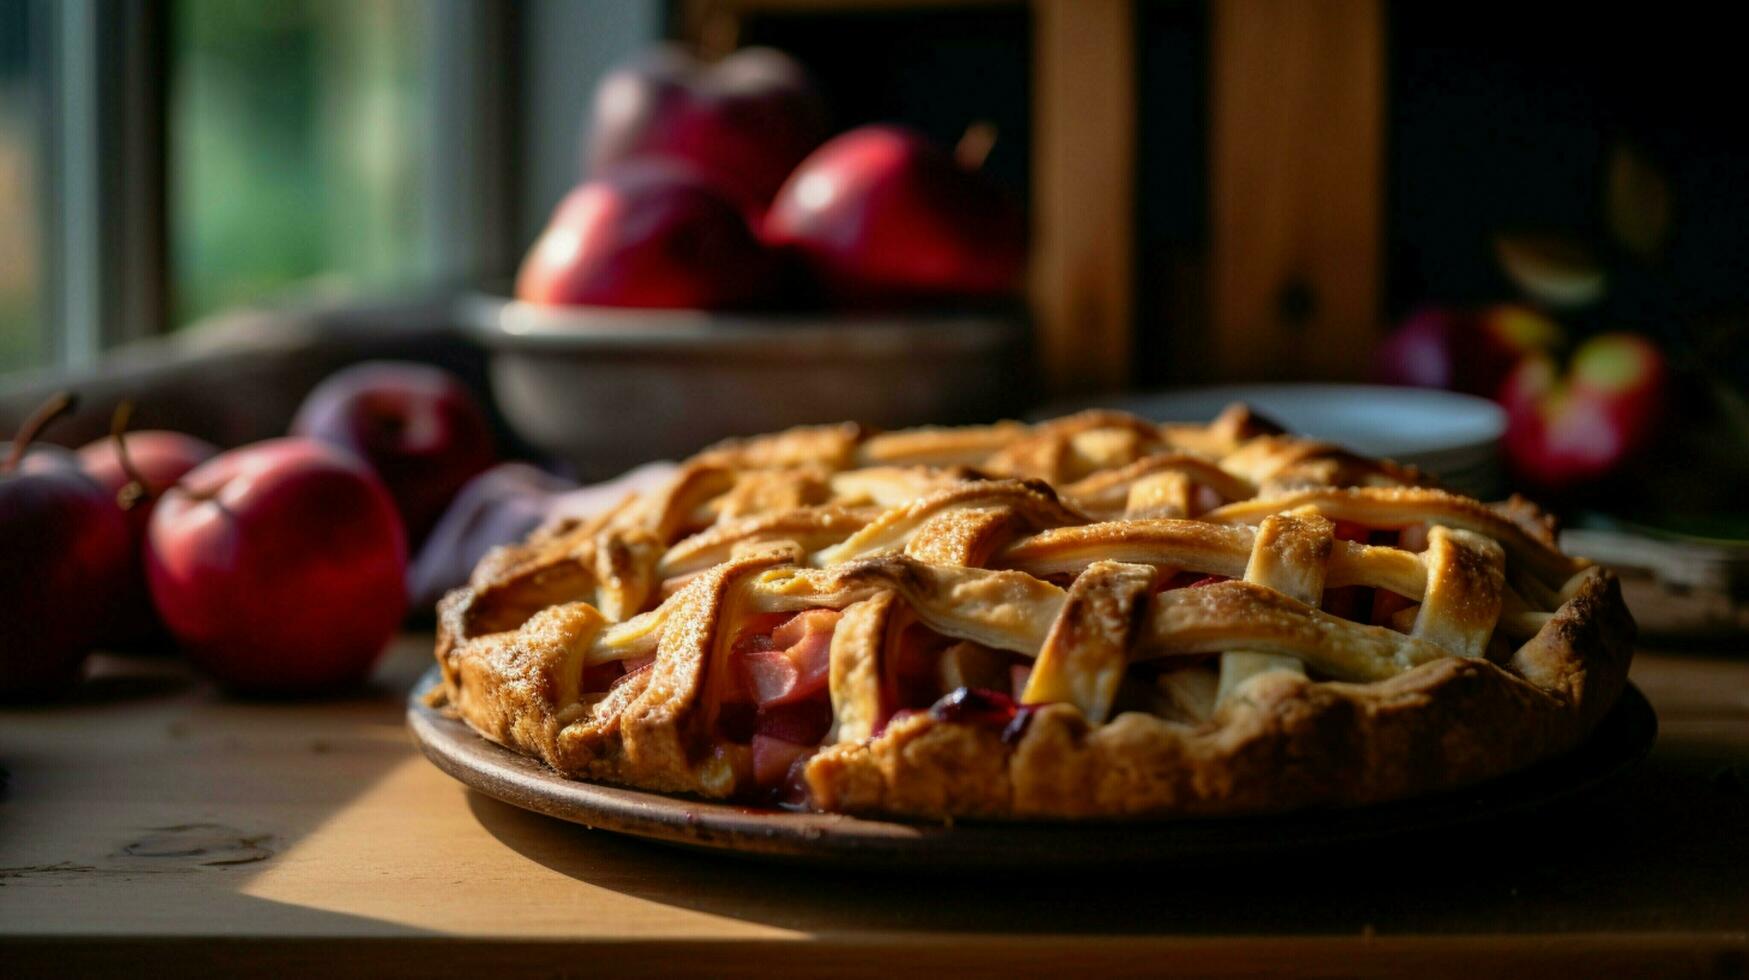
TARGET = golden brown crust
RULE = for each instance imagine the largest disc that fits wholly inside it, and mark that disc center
(1502, 651)
(1288, 743)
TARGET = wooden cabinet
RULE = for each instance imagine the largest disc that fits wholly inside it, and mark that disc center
(1287, 281)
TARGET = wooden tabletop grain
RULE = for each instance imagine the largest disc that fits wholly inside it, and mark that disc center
(152, 825)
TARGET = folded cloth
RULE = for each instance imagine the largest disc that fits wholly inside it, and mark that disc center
(503, 505)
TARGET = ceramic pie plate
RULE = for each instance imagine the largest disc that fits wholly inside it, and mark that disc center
(837, 840)
(1453, 436)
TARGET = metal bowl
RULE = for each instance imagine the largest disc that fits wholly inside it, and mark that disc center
(606, 389)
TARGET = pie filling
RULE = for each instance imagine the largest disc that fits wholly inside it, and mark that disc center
(602, 678)
(951, 679)
(774, 708)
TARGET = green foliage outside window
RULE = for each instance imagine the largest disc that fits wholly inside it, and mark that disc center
(297, 133)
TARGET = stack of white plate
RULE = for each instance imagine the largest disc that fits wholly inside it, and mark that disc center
(1454, 437)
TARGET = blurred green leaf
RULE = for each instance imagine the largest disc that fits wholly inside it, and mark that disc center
(1556, 271)
(1636, 202)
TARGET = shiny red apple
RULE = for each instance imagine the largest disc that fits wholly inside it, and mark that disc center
(744, 122)
(279, 567)
(647, 237)
(1569, 426)
(417, 426)
(881, 215)
(158, 458)
(1440, 347)
(63, 555)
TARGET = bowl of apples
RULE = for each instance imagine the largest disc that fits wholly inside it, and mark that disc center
(727, 268)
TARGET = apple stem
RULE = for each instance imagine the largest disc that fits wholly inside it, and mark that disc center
(975, 145)
(57, 405)
(135, 491)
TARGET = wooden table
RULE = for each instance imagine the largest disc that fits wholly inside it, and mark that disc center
(153, 825)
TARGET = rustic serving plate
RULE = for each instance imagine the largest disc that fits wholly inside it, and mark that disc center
(836, 840)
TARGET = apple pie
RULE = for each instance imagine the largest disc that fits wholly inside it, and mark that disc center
(1095, 616)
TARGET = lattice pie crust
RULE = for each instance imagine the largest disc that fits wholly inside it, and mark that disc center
(1095, 616)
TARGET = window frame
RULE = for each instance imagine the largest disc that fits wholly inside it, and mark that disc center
(101, 137)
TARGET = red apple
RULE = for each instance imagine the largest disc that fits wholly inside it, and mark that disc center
(159, 459)
(880, 214)
(1421, 352)
(417, 426)
(744, 122)
(647, 237)
(1443, 348)
(1563, 431)
(63, 555)
(279, 567)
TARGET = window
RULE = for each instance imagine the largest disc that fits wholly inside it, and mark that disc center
(163, 160)
(21, 333)
(298, 138)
